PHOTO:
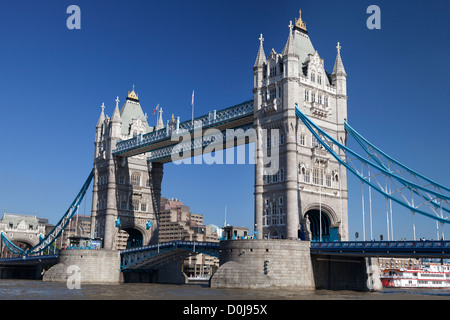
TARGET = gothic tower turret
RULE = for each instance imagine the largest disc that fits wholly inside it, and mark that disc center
(307, 197)
(126, 191)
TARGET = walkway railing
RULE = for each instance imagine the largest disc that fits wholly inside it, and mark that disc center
(212, 119)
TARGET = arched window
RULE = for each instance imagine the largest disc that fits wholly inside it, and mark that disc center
(136, 180)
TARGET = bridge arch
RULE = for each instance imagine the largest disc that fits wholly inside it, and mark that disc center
(135, 236)
(24, 242)
(321, 217)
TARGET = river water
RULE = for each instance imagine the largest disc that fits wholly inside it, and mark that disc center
(39, 290)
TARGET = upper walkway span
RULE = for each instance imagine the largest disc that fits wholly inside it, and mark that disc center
(234, 117)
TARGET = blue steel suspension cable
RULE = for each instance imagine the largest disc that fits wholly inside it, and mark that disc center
(310, 125)
(50, 238)
(358, 137)
(361, 140)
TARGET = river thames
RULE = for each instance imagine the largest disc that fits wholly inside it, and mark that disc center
(39, 290)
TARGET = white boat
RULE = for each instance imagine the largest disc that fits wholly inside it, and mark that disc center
(424, 276)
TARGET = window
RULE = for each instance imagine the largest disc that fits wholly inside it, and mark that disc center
(275, 178)
(273, 94)
(273, 71)
(313, 77)
(320, 99)
(319, 79)
(326, 101)
(135, 204)
(136, 180)
(143, 207)
(281, 174)
(274, 210)
(306, 95)
(302, 139)
(281, 139)
(280, 201)
(317, 176)
(313, 97)
(121, 179)
(328, 180)
(307, 178)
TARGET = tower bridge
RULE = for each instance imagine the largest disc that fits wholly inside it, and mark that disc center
(297, 120)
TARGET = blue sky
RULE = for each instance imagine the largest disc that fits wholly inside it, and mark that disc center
(53, 81)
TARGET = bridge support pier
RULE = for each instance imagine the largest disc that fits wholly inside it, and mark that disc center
(169, 273)
(32, 272)
(256, 264)
(332, 272)
(93, 266)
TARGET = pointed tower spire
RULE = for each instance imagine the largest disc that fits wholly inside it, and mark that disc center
(289, 48)
(338, 65)
(261, 57)
(160, 124)
(116, 114)
(102, 116)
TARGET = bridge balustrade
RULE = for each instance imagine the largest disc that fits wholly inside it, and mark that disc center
(211, 119)
(427, 247)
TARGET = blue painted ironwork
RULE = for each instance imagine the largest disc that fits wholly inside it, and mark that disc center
(51, 237)
(400, 169)
(190, 147)
(147, 257)
(383, 248)
(329, 143)
(33, 260)
(212, 119)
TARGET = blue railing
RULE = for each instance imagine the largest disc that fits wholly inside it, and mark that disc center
(432, 247)
(213, 118)
(142, 257)
(30, 260)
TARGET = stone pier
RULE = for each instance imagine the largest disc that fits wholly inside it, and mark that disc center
(256, 264)
(95, 266)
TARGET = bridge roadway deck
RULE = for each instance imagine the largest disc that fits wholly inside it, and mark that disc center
(154, 256)
(417, 249)
(32, 260)
(148, 257)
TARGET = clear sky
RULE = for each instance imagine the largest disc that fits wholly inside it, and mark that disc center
(53, 81)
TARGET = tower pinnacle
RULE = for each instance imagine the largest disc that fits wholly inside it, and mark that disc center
(261, 57)
(299, 23)
(338, 65)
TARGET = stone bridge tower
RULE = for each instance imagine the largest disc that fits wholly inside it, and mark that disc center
(126, 191)
(309, 191)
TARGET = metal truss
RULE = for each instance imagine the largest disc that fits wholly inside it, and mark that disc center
(153, 256)
(384, 174)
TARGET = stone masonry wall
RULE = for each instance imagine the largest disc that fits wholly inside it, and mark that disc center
(96, 266)
(254, 264)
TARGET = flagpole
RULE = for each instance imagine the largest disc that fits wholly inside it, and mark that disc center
(192, 103)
